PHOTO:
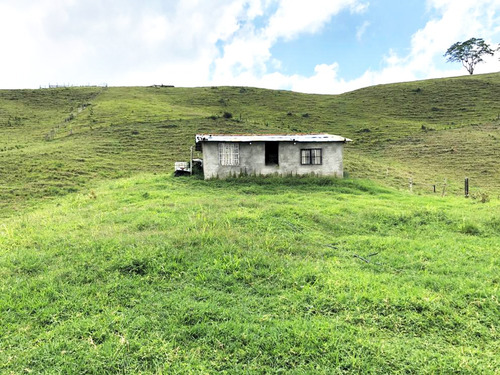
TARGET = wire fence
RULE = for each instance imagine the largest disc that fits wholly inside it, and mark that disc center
(443, 188)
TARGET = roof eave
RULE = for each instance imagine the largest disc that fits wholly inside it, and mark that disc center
(309, 138)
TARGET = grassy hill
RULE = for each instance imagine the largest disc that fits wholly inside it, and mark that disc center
(55, 141)
(109, 264)
(155, 274)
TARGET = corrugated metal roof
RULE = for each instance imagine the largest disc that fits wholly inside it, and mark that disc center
(271, 138)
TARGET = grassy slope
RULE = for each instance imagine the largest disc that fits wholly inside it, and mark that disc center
(53, 142)
(153, 273)
(157, 274)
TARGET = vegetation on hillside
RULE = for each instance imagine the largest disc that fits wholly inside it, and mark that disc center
(57, 141)
(108, 264)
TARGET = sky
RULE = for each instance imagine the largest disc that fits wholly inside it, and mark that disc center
(311, 46)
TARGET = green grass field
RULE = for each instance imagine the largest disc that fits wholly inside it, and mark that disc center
(263, 275)
(109, 264)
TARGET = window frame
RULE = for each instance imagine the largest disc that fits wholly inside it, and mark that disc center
(229, 154)
(308, 154)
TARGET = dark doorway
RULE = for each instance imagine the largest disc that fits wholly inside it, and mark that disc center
(272, 157)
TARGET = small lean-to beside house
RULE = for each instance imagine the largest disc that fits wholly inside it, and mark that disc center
(229, 155)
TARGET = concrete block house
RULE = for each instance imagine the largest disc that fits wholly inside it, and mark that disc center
(229, 155)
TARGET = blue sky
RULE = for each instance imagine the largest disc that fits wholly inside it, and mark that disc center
(355, 41)
(316, 46)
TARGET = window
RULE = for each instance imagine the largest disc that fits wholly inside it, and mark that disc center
(229, 154)
(311, 156)
(272, 156)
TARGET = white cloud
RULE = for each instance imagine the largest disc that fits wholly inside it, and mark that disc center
(454, 21)
(125, 42)
(294, 17)
(457, 21)
(196, 42)
(248, 53)
(80, 42)
(324, 75)
(155, 29)
(361, 30)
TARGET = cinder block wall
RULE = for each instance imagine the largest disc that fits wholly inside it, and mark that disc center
(252, 160)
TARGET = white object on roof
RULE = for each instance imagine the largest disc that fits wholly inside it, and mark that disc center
(271, 138)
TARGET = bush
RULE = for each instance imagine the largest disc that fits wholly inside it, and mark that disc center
(481, 197)
(469, 228)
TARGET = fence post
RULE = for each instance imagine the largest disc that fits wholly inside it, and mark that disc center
(444, 188)
(466, 187)
(191, 162)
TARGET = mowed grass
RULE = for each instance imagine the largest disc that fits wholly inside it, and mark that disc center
(154, 274)
(59, 141)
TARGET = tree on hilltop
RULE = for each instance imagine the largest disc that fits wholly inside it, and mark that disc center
(469, 53)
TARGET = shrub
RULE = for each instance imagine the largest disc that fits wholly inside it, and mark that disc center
(481, 197)
(469, 228)
(364, 130)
